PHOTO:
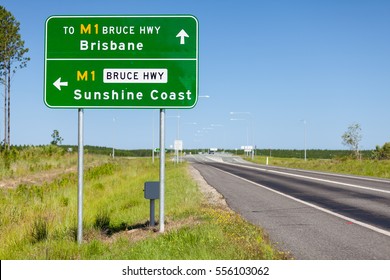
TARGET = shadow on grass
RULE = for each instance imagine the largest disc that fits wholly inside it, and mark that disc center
(111, 230)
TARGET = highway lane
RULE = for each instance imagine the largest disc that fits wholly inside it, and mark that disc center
(313, 215)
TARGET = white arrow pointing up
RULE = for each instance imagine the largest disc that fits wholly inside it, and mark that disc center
(182, 34)
(58, 84)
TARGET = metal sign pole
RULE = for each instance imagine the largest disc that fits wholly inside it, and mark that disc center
(152, 222)
(80, 175)
(162, 168)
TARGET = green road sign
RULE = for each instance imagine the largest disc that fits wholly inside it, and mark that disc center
(121, 61)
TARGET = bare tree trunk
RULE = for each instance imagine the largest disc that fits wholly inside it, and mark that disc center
(9, 106)
(5, 110)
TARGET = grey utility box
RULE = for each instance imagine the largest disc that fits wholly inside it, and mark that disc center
(152, 190)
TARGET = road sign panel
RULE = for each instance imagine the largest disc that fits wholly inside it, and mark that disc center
(121, 61)
(178, 145)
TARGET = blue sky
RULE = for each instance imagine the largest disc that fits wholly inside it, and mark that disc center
(279, 62)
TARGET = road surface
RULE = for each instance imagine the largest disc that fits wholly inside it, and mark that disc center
(312, 215)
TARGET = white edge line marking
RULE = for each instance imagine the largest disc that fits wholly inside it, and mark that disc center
(310, 178)
(378, 230)
(335, 174)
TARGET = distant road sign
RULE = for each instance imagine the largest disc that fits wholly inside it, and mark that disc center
(121, 61)
(178, 145)
(247, 148)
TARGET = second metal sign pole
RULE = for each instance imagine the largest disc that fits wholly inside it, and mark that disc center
(81, 177)
(162, 168)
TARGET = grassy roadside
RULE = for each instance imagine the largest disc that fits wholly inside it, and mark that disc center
(365, 167)
(39, 221)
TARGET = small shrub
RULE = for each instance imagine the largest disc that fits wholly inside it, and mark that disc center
(98, 186)
(7, 159)
(73, 232)
(37, 192)
(99, 171)
(64, 201)
(102, 220)
(39, 230)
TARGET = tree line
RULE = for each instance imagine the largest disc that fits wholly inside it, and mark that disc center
(380, 153)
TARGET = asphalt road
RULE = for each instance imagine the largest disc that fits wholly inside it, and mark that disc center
(312, 215)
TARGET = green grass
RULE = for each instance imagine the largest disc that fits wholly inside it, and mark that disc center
(40, 221)
(35, 160)
(365, 167)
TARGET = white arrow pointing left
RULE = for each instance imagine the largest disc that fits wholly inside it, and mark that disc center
(58, 84)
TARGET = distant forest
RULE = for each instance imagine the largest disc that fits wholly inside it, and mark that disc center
(282, 153)
(108, 151)
(318, 154)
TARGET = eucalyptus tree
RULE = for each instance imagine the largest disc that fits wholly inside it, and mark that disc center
(352, 138)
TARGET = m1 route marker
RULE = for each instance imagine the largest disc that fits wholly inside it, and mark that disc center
(121, 62)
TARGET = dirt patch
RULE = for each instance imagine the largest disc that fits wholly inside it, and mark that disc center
(138, 234)
(212, 196)
(36, 179)
(46, 176)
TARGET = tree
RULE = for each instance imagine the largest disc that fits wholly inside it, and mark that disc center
(12, 57)
(352, 138)
(57, 139)
(382, 152)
